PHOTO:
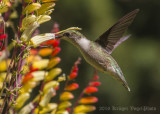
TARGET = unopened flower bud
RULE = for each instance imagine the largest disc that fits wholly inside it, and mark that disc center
(45, 52)
(64, 105)
(48, 108)
(51, 84)
(28, 20)
(4, 64)
(53, 73)
(41, 64)
(21, 100)
(56, 51)
(90, 90)
(26, 35)
(72, 87)
(66, 96)
(84, 108)
(53, 62)
(48, 1)
(73, 75)
(46, 98)
(88, 100)
(27, 87)
(27, 109)
(27, 77)
(95, 83)
(62, 112)
(43, 18)
(30, 8)
(39, 75)
(45, 7)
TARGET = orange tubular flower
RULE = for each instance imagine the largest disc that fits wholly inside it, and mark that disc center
(88, 100)
(66, 96)
(72, 87)
(45, 52)
(53, 62)
(90, 90)
(27, 77)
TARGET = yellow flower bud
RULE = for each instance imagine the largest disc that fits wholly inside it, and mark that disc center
(53, 62)
(48, 1)
(28, 20)
(30, 8)
(1, 84)
(84, 108)
(26, 35)
(28, 1)
(46, 98)
(38, 39)
(27, 109)
(64, 105)
(21, 100)
(48, 108)
(45, 7)
(43, 18)
(3, 65)
(45, 52)
(32, 58)
(62, 112)
(53, 73)
(27, 87)
(41, 64)
(66, 96)
(38, 75)
(36, 111)
(51, 84)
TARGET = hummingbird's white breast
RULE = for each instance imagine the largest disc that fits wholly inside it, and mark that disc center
(84, 43)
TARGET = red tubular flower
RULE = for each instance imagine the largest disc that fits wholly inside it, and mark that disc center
(33, 69)
(72, 75)
(72, 87)
(56, 43)
(89, 90)
(56, 51)
(96, 77)
(75, 69)
(95, 83)
(27, 77)
(3, 36)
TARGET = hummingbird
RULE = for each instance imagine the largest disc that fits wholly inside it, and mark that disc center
(98, 53)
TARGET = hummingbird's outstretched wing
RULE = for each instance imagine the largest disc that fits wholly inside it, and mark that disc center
(113, 36)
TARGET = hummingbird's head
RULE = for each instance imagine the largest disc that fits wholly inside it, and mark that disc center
(71, 34)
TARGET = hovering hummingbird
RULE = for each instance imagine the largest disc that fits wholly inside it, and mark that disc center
(97, 53)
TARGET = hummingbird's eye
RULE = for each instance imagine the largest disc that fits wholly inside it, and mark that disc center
(66, 34)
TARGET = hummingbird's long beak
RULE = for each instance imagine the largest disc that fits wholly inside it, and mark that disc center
(58, 35)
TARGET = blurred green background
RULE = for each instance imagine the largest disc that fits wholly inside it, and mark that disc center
(138, 57)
